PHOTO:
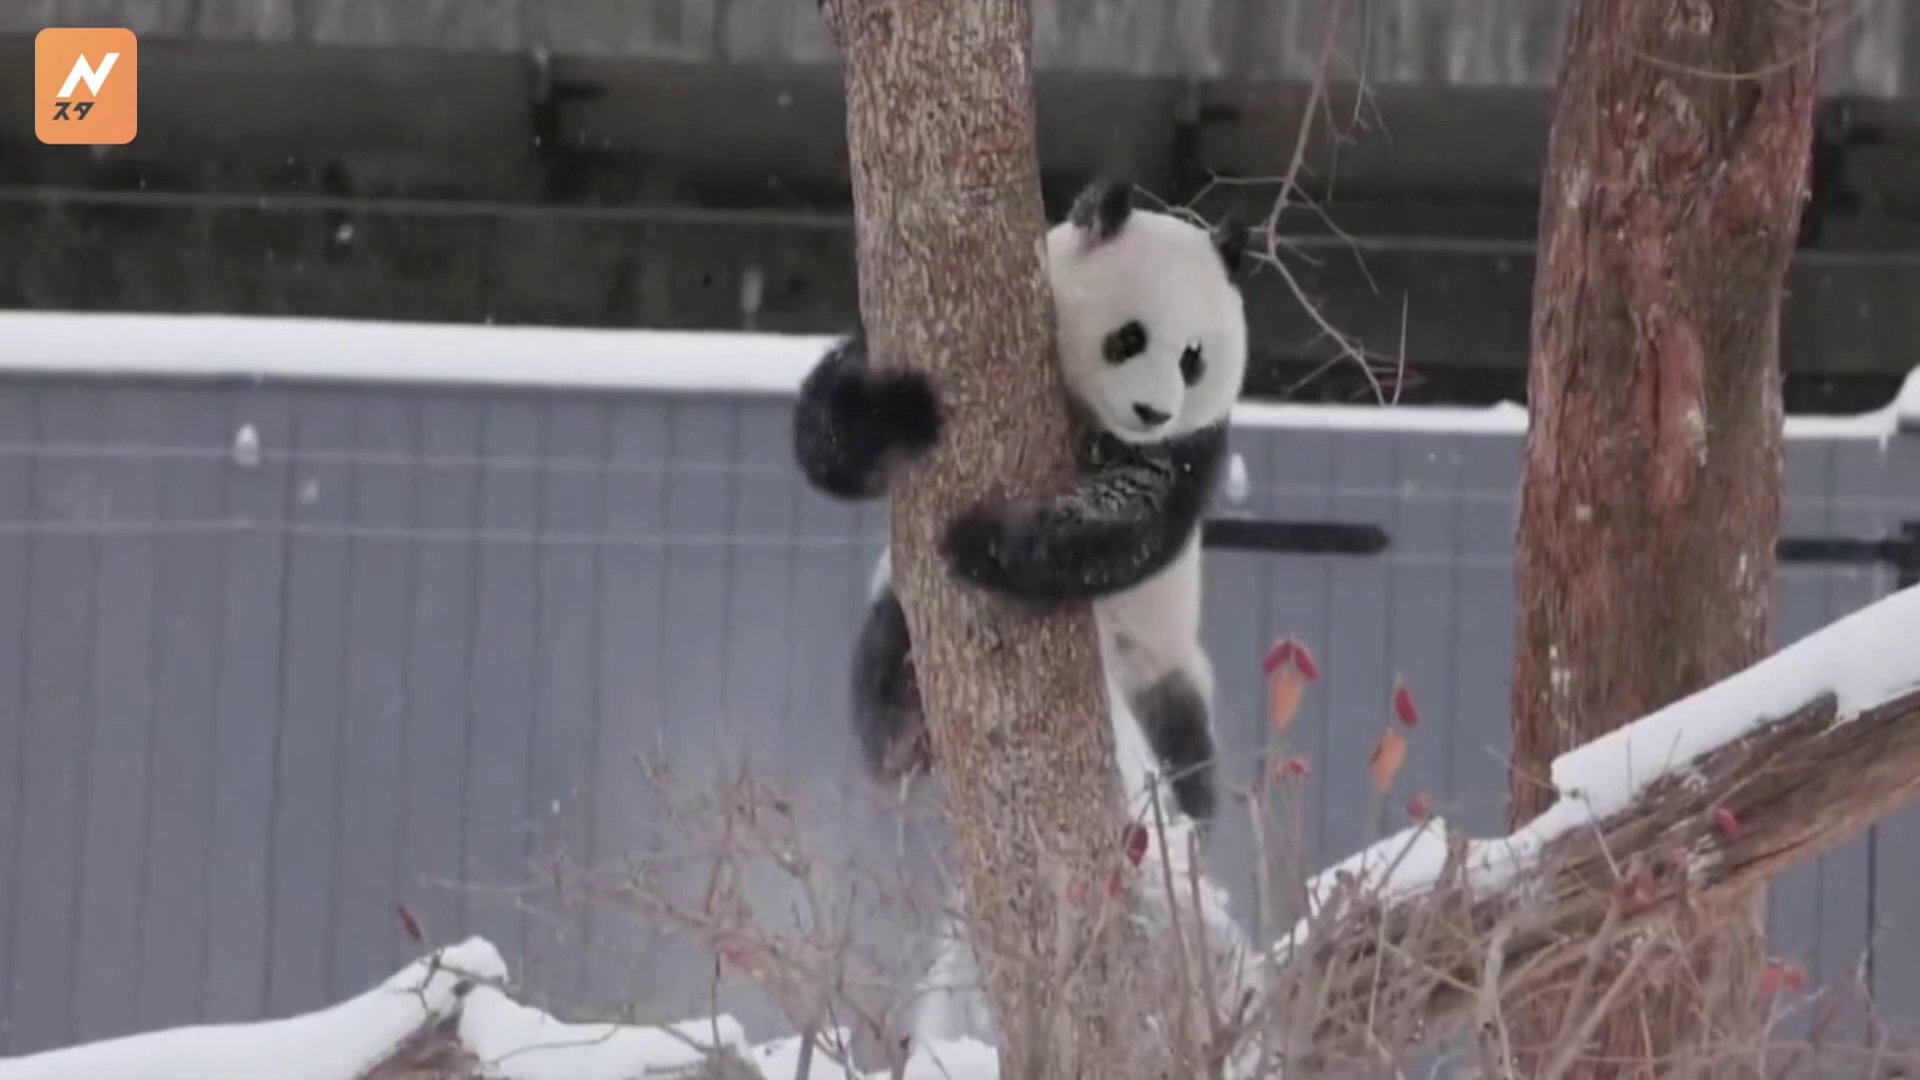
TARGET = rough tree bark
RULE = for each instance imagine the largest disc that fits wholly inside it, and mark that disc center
(946, 195)
(1650, 503)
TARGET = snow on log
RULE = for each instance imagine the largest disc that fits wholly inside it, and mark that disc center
(343, 1042)
(1717, 792)
(367, 1035)
(516, 1042)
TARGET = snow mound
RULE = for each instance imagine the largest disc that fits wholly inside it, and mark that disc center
(515, 1042)
(510, 1040)
(337, 1043)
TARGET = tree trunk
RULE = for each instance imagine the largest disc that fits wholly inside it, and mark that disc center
(1650, 504)
(946, 196)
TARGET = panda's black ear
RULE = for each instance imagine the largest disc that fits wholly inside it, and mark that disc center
(1230, 240)
(1102, 209)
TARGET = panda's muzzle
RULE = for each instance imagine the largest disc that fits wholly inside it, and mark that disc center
(1151, 416)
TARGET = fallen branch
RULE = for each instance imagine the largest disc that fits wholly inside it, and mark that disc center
(1656, 824)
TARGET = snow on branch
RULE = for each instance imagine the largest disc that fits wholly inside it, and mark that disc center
(1654, 822)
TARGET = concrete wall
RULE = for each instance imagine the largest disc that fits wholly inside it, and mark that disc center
(1468, 42)
(403, 639)
(411, 159)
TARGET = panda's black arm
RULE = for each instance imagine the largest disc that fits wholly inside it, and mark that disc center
(852, 424)
(1125, 519)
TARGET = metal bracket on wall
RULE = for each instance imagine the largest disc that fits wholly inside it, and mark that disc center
(1293, 537)
(1900, 551)
(563, 168)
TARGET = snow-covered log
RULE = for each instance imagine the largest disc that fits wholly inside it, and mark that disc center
(1656, 821)
(343, 1042)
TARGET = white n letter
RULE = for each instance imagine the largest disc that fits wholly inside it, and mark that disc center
(83, 70)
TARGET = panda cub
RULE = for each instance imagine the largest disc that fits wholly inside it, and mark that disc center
(1151, 335)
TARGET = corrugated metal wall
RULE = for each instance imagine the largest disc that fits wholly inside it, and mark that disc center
(249, 702)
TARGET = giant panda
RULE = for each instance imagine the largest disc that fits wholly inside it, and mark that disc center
(1152, 343)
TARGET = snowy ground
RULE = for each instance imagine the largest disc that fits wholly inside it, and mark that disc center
(511, 1041)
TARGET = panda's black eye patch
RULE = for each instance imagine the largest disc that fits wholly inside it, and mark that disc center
(1125, 343)
(1192, 365)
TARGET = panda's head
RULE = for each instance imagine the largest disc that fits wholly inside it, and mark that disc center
(1152, 331)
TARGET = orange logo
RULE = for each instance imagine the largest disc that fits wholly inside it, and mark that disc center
(86, 86)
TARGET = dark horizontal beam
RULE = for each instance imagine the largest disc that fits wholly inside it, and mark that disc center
(1293, 537)
(1900, 551)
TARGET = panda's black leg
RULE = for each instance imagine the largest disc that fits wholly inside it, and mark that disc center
(852, 424)
(1173, 714)
(886, 693)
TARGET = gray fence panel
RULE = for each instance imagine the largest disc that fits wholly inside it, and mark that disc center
(369, 816)
(306, 788)
(497, 816)
(16, 492)
(1297, 480)
(190, 583)
(419, 652)
(1354, 662)
(442, 627)
(1854, 508)
(1794, 901)
(64, 570)
(1421, 593)
(560, 738)
(631, 648)
(1482, 631)
(1896, 884)
(253, 663)
(112, 849)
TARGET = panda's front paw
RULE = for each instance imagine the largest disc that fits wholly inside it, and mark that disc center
(973, 547)
(992, 547)
(905, 402)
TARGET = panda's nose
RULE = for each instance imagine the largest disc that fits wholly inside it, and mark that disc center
(1150, 415)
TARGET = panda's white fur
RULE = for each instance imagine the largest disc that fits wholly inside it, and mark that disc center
(1132, 527)
(1167, 274)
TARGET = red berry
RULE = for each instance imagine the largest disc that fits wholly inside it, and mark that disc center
(1404, 706)
(1726, 822)
(1135, 843)
(410, 925)
(1280, 652)
(1303, 659)
(1779, 975)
